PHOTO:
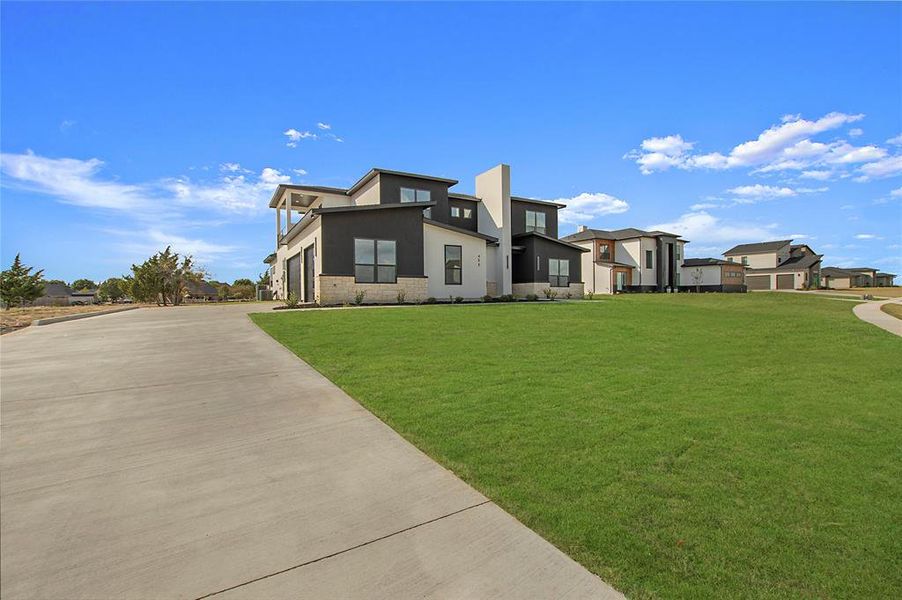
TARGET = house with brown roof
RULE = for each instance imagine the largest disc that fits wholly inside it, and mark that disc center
(777, 265)
(712, 275)
(629, 260)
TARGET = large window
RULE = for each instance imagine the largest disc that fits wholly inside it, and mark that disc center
(412, 195)
(604, 251)
(535, 221)
(649, 259)
(558, 272)
(745, 260)
(375, 261)
(453, 265)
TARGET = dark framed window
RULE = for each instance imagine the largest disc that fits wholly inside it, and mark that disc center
(412, 195)
(558, 272)
(454, 265)
(455, 212)
(535, 221)
(745, 260)
(375, 261)
(468, 213)
(649, 259)
(427, 212)
(604, 252)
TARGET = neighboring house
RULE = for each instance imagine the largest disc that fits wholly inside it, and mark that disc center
(712, 275)
(777, 265)
(394, 234)
(629, 260)
(886, 279)
(60, 294)
(838, 278)
(201, 291)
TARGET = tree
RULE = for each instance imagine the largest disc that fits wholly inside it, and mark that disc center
(263, 278)
(243, 281)
(59, 281)
(18, 286)
(163, 278)
(697, 276)
(113, 290)
(243, 291)
(83, 284)
(223, 290)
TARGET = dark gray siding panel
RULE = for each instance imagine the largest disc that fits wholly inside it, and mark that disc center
(470, 224)
(526, 269)
(404, 225)
(518, 217)
(390, 191)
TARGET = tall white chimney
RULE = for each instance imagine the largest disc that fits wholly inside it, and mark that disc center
(581, 228)
(494, 188)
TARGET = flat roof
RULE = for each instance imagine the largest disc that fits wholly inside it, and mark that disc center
(376, 171)
(537, 201)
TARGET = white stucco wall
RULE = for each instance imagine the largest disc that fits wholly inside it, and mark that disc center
(839, 283)
(710, 275)
(587, 264)
(643, 276)
(494, 213)
(473, 256)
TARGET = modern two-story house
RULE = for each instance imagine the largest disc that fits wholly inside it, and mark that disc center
(629, 260)
(396, 235)
(777, 265)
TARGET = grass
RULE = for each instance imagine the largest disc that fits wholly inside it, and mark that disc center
(892, 309)
(690, 446)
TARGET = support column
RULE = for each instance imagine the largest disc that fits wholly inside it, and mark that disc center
(278, 224)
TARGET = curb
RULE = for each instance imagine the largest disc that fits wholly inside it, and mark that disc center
(51, 320)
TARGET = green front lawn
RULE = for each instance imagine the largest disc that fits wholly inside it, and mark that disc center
(691, 446)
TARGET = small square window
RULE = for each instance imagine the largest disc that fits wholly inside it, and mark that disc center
(455, 212)
(468, 213)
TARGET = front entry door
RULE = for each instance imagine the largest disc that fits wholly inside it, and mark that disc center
(309, 277)
(294, 275)
(621, 281)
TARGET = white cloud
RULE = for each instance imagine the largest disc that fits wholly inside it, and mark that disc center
(294, 136)
(867, 236)
(896, 193)
(705, 205)
(762, 191)
(890, 166)
(785, 146)
(324, 126)
(71, 181)
(847, 207)
(272, 176)
(855, 132)
(67, 124)
(81, 182)
(299, 172)
(585, 207)
(895, 141)
(335, 137)
(702, 227)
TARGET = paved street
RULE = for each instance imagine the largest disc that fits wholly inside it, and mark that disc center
(181, 453)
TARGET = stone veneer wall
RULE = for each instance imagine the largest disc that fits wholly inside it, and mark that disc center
(577, 290)
(491, 288)
(331, 289)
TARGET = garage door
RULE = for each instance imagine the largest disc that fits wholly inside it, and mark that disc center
(786, 282)
(757, 282)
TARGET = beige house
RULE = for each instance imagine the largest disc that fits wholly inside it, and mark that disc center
(629, 260)
(777, 265)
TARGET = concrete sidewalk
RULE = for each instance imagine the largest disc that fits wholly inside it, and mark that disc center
(182, 453)
(871, 312)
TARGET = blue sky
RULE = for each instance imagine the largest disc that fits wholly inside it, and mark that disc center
(127, 127)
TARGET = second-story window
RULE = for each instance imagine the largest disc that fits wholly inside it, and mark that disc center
(455, 212)
(535, 221)
(412, 195)
(468, 213)
(649, 259)
(745, 260)
(604, 252)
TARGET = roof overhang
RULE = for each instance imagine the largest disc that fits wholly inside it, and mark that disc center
(536, 201)
(376, 171)
(302, 196)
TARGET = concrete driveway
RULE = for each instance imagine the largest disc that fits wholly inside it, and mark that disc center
(181, 453)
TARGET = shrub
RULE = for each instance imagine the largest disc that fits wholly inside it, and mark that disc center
(429, 300)
(590, 296)
(359, 296)
(293, 300)
(507, 298)
(401, 296)
(550, 293)
(487, 298)
(531, 297)
(458, 299)
(568, 295)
